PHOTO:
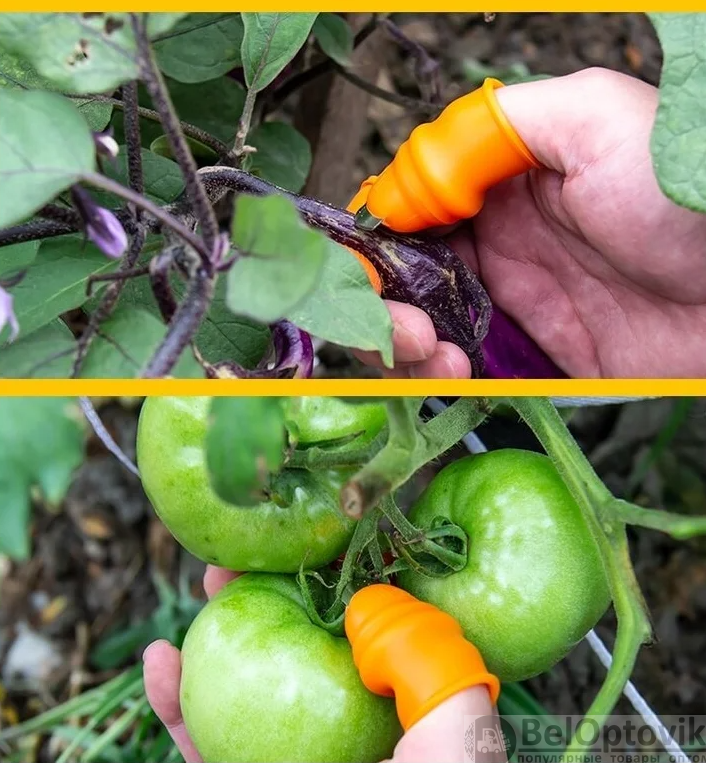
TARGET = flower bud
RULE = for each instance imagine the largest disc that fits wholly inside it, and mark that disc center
(7, 315)
(101, 226)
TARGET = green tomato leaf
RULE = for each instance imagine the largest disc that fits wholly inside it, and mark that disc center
(56, 282)
(45, 145)
(45, 354)
(245, 444)
(678, 141)
(344, 308)
(17, 257)
(222, 336)
(334, 36)
(270, 42)
(201, 47)
(79, 52)
(283, 155)
(41, 444)
(17, 74)
(281, 258)
(162, 178)
(128, 339)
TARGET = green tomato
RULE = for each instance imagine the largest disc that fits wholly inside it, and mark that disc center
(534, 583)
(261, 682)
(301, 523)
(331, 422)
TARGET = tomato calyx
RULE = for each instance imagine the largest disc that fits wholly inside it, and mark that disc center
(375, 556)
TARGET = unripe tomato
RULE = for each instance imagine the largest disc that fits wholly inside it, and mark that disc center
(301, 522)
(323, 421)
(534, 584)
(261, 682)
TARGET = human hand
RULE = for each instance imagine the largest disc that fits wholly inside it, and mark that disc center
(438, 736)
(162, 673)
(589, 257)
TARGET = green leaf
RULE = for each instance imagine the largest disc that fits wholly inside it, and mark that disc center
(344, 308)
(678, 142)
(245, 444)
(79, 52)
(283, 155)
(281, 258)
(45, 145)
(222, 336)
(126, 342)
(162, 178)
(335, 37)
(160, 146)
(45, 354)
(17, 74)
(17, 257)
(214, 106)
(41, 444)
(56, 281)
(201, 47)
(270, 42)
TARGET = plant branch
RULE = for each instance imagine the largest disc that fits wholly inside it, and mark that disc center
(239, 148)
(426, 68)
(407, 451)
(316, 458)
(679, 526)
(159, 213)
(183, 326)
(157, 89)
(190, 130)
(411, 104)
(131, 125)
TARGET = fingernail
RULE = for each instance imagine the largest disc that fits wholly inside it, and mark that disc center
(151, 646)
(414, 349)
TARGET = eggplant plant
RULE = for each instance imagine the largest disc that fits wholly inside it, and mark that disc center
(152, 223)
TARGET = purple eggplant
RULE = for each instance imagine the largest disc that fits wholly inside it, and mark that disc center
(427, 273)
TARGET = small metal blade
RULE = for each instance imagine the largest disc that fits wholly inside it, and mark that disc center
(366, 221)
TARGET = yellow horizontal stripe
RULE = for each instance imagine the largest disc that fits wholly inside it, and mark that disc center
(355, 387)
(328, 5)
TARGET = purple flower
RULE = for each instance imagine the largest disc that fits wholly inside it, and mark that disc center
(7, 315)
(106, 145)
(101, 226)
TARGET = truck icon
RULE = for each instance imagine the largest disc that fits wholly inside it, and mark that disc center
(490, 741)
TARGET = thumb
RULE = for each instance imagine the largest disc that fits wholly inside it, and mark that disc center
(440, 735)
(570, 122)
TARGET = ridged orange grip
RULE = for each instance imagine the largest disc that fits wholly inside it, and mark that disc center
(356, 203)
(411, 650)
(441, 172)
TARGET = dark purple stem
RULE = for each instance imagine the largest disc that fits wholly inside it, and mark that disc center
(131, 125)
(157, 89)
(183, 327)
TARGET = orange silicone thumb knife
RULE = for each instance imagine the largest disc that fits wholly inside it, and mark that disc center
(411, 650)
(440, 174)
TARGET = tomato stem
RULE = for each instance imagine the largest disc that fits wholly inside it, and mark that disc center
(607, 525)
(410, 446)
(679, 526)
